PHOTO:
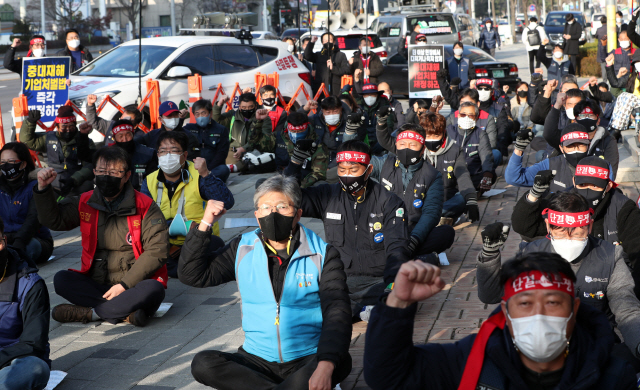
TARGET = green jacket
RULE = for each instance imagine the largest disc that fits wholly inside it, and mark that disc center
(319, 160)
(250, 135)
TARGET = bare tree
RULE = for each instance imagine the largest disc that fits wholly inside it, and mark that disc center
(130, 9)
(182, 7)
(63, 13)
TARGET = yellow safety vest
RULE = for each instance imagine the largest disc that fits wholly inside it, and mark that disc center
(188, 193)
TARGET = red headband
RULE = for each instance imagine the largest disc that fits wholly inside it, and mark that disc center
(591, 171)
(569, 220)
(484, 82)
(36, 40)
(587, 110)
(67, 119)
(355, 157)
(574, 135)
(536, 280)
(293, 128)
(369, 88)
(410, 135)
(121, 128)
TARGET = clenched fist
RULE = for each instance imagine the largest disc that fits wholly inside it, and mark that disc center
(85, 128)
(262, 114)
(214, 211)
(201, 166)
(91, 100)
(415, 281)
(311, 105)
(46, 176)
(222, 101)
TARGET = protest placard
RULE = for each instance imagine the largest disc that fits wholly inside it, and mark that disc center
(424, 62)
(44, 83)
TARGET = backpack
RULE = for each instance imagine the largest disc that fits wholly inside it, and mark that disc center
(533, 37)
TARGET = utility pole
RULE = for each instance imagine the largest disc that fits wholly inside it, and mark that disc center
(473, 8)
(264, 15)
(43, 28)
(173, 17)
(612, 35)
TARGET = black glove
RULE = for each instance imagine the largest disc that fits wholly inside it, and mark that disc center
(413, 245)
(443, 74)
(354, 121)
(523, 139)
(617, 134)
(487, 181)
(493, 238)
(34, 116)
(541, 183)
(473, 212)
(302, 152)
(536, 79)
(383, 113)
(515, 126)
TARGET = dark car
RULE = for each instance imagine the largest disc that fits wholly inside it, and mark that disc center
(293, 33)
(519, 26)
(554, 28)
(396, 72)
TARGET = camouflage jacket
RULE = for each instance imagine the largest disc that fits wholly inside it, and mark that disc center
(319, 160)
(250, 135)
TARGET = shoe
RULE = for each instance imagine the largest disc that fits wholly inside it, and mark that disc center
(366, 313)
(446, 221)
(137, 318)
(431, 258)
(232, 168)
(71, 313)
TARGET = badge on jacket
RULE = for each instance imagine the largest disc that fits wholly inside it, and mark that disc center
(379, 237)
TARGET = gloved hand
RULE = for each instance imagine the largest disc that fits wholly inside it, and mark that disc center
(617, 134)
(473, 212)
(493, 238)
(442, 73)
(34, 116)
(301, 153)
(66, 185)
(413, 245)
(487, 181)
(635, 15)
(383, 113)
(354, 121)
(523, 139)
(541, 183)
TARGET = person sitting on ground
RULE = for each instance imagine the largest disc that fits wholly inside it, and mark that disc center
(607, 108)
(371, 101)
(604, 280)
(393, 103)
(124, 245)
(489, 102)
(520, 108)
(366, 65)
(627, 101)
(104, 127)
(213, 139)
(143, 159)
(180, 188)
(69, 150)
(250, 131)
(171, 119)
(17, 209)
(24, 304)
(347, 98)
(524, 344)
(312, 324)
(37, 45)
(476, 146)
(371, 254)
(277, 114)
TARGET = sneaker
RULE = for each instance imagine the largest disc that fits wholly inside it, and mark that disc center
(137, 318)
(232, 168)
(366, 313)
(71, 313)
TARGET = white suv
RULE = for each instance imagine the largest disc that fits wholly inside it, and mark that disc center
(170, 60)
(349, 41)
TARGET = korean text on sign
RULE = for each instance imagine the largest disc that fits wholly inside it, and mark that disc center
(44, 83)
(424, 62)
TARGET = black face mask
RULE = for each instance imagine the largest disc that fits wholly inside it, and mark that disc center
(433, 146)
(67, 135)
(129, 146)
(247, 113)
(11, 171)
(523, 94)
(109, 186)
(269, 102)
(353, 184)
(574, 158)
(589, 124)
(328, 46)
(408, 156)
(593, 197)
(276, 227)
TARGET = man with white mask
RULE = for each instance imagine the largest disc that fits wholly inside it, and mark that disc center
(80, 55)
(37, 45)
(557, 66)
(460, 67)
(532, 36)
(604, 280)
(180, 188)
(542, 336)
(366, 65)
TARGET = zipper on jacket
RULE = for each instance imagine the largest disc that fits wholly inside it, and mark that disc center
(277, 321)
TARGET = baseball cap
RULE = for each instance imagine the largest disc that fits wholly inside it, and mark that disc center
(574, 133)
(167, 108)
(593, 170)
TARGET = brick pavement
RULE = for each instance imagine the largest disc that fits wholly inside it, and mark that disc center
(99, 356)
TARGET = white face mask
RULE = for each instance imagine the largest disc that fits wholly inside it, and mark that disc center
(568, 249)
(484, 95)
(532, 25)
(558, 54)
(290, 48)
(422, 43)
(637, 66)
(364, 49)
(570, 114)
(466, 123)
(625, 44)
(370, 100)
(618, 20)
(74, 43)
(488, 26)
(571, 22)
(458, 52)
(170, 123)
(169, 163)
(332, 119)
(37, 52)
(540, 338)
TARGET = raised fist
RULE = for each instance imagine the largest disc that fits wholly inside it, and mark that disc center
(214, 211)
(541, 183)
(91, 100)
(262, 114)
(46, 176)
(16, 42)
(523, 139)
(493, 238)
(311, 105)
(222, 101)
(200, 164)
(34, 116)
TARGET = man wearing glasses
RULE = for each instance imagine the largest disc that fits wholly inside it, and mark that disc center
(180, 188)
(124, 245)
(295, 307)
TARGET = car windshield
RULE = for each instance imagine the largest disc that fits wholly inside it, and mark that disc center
(433, 24)
(559, 20)
(123, 61)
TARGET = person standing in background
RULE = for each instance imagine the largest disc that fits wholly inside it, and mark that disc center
(601, 36)
(80, 55)
(489, 38)
(571, 35)
(532, 36)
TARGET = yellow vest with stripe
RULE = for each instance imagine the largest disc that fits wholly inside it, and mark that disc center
(193, 207)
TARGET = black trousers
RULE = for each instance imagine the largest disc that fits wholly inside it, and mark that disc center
(533, 55)
(81, 290)
(242, 370)
(364, 291)
(574, 61)
(439, 240)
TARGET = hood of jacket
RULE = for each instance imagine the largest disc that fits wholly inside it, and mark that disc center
(448, 143)
(601, 134)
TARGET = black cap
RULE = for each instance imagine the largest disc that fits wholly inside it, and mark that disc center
(568, 17)
(593, 170)
(574, 133)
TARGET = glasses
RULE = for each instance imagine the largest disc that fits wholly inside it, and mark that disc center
(281, 208)
(10, 161)
(162, 152)
(114, 173)
(484, 88)
(421, 40)
(470, 116)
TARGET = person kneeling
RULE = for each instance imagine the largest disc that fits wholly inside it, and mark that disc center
(126, 283)
(295, 307)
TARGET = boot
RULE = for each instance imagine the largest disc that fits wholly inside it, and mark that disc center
(137, 318)
(71, 313)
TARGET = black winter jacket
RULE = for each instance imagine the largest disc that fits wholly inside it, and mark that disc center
(543, 105)
(340, 67)
(86, 56)
(375, 67)
(197, 268)
(572, 45)
(11, 63)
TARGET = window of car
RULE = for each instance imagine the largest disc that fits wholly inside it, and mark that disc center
(198, 59)
(476, 55)
(397, 60)
(123, 61)
(389, 28)
(433, 24)
(235, 58)
(266, 54)
(463, 25)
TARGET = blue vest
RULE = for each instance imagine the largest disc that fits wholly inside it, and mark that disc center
(14, 209)
(469, 143)
(459, 69)
(556, 70)
(289, 328)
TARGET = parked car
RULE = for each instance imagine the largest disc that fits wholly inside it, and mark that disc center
(519, 26)
(264, 35)
(595, 22)
(396, 72)
(439, 27)
(476, 31)
(293, 32)
(349, 41)
(554, 28)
